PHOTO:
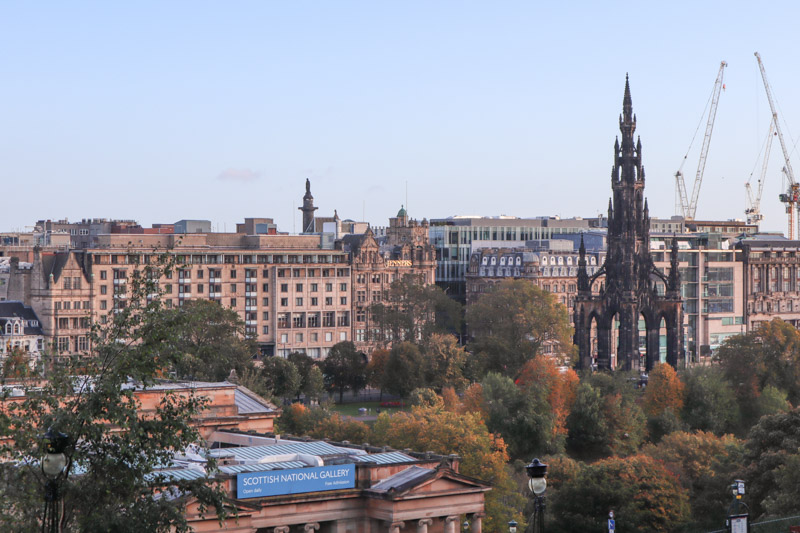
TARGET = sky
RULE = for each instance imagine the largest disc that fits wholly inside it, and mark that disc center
(160, 111)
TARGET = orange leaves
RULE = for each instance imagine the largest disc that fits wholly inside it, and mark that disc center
(664, 391)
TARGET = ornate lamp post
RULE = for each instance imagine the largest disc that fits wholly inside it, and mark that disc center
(54, 465)
(537, 472)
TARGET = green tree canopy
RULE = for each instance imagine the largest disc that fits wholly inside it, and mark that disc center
(344, 368)
(511, 324)
(404, 369)
(211, 340)
(413, 311)
(710, 401)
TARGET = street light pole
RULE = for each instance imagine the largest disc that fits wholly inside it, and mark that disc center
(738, 520)
(537, 472)
(54, 466)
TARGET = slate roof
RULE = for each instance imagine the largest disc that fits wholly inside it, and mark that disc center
(256, 453)
(248, 403)
(408, 477)
(15, 309)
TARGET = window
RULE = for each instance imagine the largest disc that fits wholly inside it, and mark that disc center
(283, 320)
(82, 344)
(265, 287)
(199, 274)
(265, 330)
(63, 323)
(343, 300)
(284, 338)
(233, 274)
(284, 302)
(314, 301)
(103, 274)
(103, 289)
(342, 335)
(282, 272)
(328, 287)
(103, 305)
(63, 344)
(361, 296)
(298, 301)
(67, 305)
(343, 319)
(328, 336)
(265, 301)
(233, 302)
(298, 287)
(314, 337)
(67, 283)
(328, 319)
(298, 337)
(314, 287)
(200, 289)
(298, 320)
(361, 316)
(328, 300)
(265, 315)
(313, 320)
(284, 287)
(343, 287)
(167, 289)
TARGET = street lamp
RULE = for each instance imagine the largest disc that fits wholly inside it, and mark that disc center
(54, 464)
(512, 526)
(537, 472)
(738, 520)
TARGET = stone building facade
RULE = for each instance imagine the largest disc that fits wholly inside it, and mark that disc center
(771, 280)
(632, 281)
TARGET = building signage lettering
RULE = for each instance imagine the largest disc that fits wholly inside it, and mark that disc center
(398, 263)
(295, 481)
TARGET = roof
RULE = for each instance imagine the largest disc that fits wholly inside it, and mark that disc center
(247, 402)
(408, 477)
(15, 309)
(256, 453)
(384, 458)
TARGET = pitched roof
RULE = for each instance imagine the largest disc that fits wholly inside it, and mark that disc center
(14, 309)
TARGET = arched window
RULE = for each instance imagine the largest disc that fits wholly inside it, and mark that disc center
(544, 260)
(8, 328)
(484, 260)
(494, 260)
(569, 260)
(592, 261)
(17, 328)
(502, 260)
(519, 260)
(560, 260)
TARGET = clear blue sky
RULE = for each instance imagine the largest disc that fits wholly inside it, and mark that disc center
(160, 111)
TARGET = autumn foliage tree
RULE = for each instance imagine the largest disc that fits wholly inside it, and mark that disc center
(483, 455)
(644, 495)
(561, 387)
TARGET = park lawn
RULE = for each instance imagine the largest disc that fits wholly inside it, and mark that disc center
(351, 409)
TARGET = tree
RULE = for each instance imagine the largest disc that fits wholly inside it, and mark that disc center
(704, 464)
(114, 449)
(511, 324)
(664, 391)
(281, 377)
(710, 402)
(521, 416)
(212, 341)
(413, 311)
(344, 368)
(644, 495)
(604, 424)
(483, 455)
(311, 379)
(376, 369)
(404, 369)
(561, 387)
(444, 362)
(770, 449)
(770, 355)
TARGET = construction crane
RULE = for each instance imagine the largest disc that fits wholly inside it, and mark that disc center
(753, 210)
(689, 208)
(792, 195)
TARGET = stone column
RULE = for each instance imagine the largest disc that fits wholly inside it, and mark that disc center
(311, 527)
(451, 524)
(395, 527)
(422, 525)
(281, 529)
(477, 522)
